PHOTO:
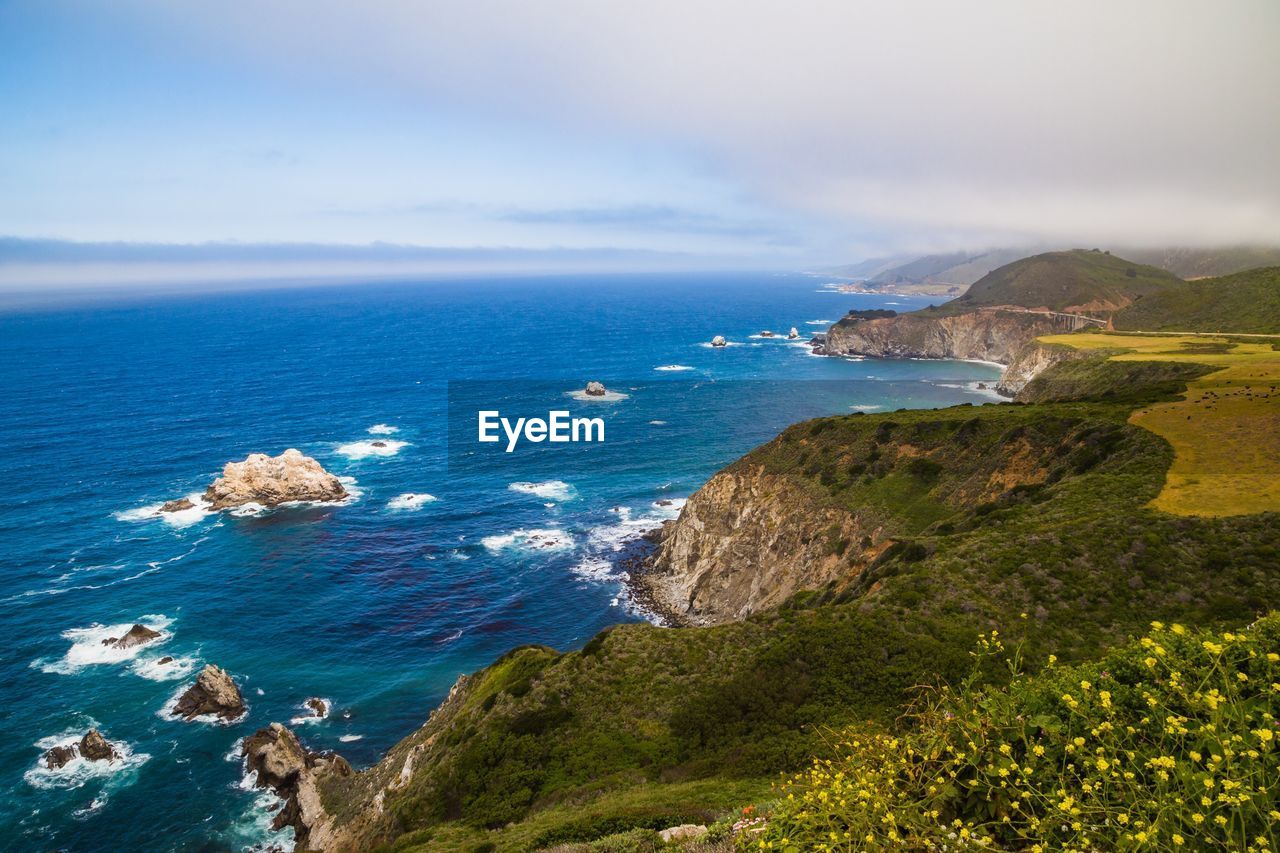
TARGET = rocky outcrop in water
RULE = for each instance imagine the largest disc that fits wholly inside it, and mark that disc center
(719, 341)
(273, 480)
(595, 389)
(92, 747)
(178, 505)
(138, 635)
(282, 764)
(213, 693)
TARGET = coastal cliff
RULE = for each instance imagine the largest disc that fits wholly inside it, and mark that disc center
(1001, 315)
(844, 563)
(729, 527)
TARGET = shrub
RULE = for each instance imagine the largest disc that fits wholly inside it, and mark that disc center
(1169, 743)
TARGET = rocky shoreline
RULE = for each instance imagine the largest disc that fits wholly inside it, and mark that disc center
(639, 560)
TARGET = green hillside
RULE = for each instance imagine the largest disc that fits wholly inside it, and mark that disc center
(1246, 302)
(1167, 743)
(1189, 263)
(1077, 281)
(996, 511)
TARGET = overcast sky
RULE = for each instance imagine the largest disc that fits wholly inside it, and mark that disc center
(689, 133)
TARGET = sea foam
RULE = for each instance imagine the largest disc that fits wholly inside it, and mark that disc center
(410, 501)
(182, 518)
(554, 490)
(538, 539)
(365, 449)
(673, 368)
(383, 429)
(79, 770)
(87, 647)
(150, 668)
(607, 397)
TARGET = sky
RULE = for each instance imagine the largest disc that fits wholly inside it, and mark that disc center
(149, 137)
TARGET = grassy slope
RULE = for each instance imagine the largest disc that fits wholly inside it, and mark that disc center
(1225, 430)
(651, 726)
(1247, 302)
(1168, 743)
(997, 511)
(1060, 280)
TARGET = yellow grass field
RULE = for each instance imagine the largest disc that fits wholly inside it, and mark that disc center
(1225, 431)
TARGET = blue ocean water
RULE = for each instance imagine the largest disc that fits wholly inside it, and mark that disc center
(379, 604)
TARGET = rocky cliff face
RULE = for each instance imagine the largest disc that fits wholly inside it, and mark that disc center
(1029, 362)
(282, 764)
(1000, 336)
(709, 561)
(987, 335)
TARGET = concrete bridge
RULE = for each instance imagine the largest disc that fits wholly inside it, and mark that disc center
(1066, 322)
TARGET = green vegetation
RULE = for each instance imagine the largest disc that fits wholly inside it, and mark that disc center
(1247, 302)
(1100, 379)
(995, 510)
(1056, 512)
(1075, 281)
(1165, 744)
(1223, 430)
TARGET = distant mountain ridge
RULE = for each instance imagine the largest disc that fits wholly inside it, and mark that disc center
(1246, 302)
(1076, 282)
(965, 268)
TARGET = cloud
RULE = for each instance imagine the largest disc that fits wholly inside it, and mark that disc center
(921, 122)
(27, 264)
(643, 217)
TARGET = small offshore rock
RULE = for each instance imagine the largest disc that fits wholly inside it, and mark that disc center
(793, 334)
(766, 334)
(59, 756)
(273, 480)
(213, 693)
(164, 660)
(318, 706)
(95, 747)
(719, 341)
(595, 389)
(177, 506)
(138, 635)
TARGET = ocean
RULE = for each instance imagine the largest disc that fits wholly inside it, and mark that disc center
(450, 551)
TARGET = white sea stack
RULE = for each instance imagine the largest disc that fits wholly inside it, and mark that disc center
(273, 480)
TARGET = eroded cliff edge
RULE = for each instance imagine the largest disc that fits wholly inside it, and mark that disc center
(999, 318)
(826, 502)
